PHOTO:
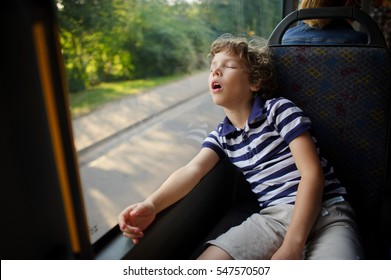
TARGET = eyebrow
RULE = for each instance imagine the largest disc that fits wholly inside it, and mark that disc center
(225, 60)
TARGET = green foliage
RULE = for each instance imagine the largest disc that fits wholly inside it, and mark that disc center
(242, 17)
(92, 37)
(114, 40)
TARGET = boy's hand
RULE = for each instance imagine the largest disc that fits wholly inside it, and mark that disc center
(288, 252)
(136, 218)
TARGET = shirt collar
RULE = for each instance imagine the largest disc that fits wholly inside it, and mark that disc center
(257, 109)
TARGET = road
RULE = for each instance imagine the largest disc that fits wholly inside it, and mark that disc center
(126, 167)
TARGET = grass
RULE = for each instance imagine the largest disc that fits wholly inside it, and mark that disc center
(88, 100)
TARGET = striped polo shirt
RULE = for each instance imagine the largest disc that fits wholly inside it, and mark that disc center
(260, 151)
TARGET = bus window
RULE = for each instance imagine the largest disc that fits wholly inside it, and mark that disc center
(129, 133)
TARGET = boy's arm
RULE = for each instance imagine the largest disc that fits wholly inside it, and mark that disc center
(308, 200)
(135, 218)
(183, 180)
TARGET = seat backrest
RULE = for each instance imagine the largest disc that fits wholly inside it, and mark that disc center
(345, 90)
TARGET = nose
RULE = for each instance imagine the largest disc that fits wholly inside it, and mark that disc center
(216, 72)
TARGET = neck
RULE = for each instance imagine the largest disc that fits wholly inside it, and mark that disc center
(238, 117)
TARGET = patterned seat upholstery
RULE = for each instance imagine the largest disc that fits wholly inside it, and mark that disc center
(346, 93)
(345, 90)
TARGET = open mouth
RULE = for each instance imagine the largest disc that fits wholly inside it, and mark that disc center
(216, 86)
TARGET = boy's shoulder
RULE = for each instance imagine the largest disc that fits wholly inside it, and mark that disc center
(279, 105)
(277, 101)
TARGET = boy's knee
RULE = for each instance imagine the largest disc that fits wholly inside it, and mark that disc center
(214, 253)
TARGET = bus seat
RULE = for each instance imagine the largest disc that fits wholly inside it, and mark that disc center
(345, 90)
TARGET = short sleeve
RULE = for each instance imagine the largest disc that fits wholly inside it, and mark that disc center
(212, 142)
(288, 119)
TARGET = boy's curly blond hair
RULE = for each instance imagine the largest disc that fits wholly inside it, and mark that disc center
(255, 56)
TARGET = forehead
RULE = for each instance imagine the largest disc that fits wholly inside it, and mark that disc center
(226, 56)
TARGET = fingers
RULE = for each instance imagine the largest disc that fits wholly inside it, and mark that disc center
(134, 219)
(122, 221)
(133, 233)
(124, 218)
(125, 224)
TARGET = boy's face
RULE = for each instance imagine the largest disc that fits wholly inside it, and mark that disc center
(228, 81)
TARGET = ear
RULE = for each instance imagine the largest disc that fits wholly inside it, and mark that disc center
(255, 87)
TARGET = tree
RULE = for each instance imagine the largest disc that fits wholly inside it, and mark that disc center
(92, 41)
(125, 39)
(242, 17)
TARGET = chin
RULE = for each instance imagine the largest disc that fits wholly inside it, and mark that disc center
(216, 100)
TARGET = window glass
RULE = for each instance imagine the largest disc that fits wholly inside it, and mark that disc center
(137, 78)
(380, 11)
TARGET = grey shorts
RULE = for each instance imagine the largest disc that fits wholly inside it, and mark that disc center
(333, 236)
